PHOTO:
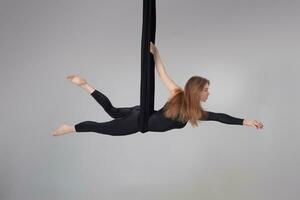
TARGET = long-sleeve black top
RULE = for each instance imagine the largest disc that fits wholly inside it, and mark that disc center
(222, 117)
(158, 122)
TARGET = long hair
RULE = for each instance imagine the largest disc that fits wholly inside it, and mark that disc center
(185, 105)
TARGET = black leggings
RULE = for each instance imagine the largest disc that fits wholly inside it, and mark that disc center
(125, 119)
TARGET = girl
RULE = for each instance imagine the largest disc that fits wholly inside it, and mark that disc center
(182, 106)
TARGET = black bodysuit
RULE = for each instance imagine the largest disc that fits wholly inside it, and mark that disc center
(125, 120)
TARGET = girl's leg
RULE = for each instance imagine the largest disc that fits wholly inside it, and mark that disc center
(116, 127)
(63, 129)
(108, 107)
(100, 98)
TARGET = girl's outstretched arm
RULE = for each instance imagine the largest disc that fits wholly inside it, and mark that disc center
(227, 119)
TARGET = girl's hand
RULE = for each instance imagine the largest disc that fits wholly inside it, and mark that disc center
(253, 123)
(153, 48)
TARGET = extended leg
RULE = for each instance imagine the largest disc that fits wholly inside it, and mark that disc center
(116, 127)
(108, 107)
(100, 98)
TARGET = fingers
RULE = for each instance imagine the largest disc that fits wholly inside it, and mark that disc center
(152, 44)
(254, 123)
(258, 124)
(153, 48)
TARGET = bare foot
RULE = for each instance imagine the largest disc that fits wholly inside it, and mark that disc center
(63, 129)
(76, 80)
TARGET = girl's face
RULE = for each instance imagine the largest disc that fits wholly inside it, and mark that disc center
(204, 93)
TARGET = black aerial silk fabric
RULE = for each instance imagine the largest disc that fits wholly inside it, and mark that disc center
(147, 87)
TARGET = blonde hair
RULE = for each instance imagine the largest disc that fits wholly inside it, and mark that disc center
(185, 105)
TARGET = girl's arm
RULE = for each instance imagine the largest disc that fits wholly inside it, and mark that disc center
(227, 119)
(170, 84)
(224, 118)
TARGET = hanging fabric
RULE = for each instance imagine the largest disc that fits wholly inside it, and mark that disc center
(147, 86)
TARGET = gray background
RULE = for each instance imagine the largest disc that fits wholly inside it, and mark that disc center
(249, 50)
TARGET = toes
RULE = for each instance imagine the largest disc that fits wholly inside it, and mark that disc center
(70, 77)
(54, 133)
(57, 131)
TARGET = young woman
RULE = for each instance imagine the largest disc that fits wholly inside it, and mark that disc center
(182, 106)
